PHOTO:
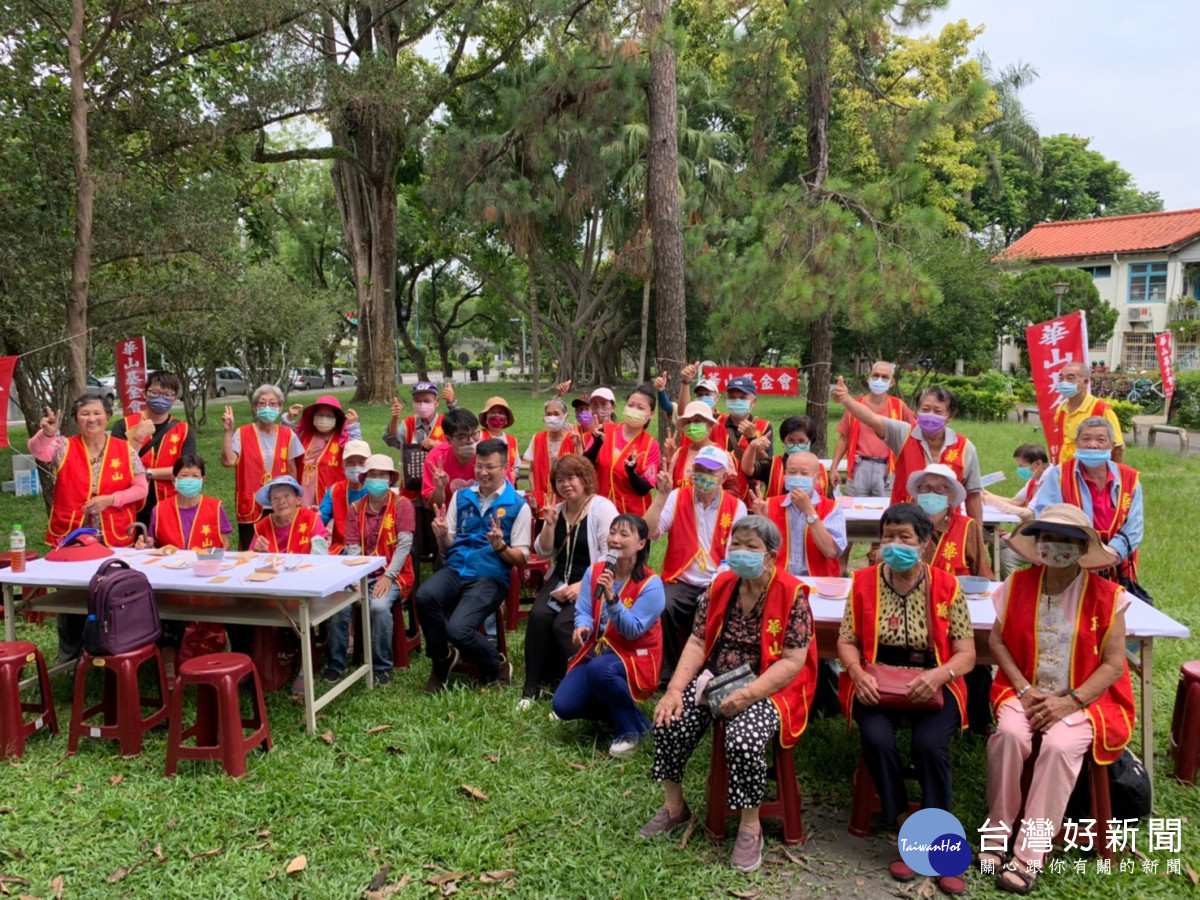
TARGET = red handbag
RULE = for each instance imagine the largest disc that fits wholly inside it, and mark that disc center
(893, 681)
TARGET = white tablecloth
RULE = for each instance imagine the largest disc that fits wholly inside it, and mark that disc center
(1141, 619)
(323, 575)
(870, 509)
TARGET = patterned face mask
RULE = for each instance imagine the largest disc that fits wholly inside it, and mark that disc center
(1058, 554)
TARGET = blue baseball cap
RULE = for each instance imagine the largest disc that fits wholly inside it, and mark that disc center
(742, 383)
(263, 496)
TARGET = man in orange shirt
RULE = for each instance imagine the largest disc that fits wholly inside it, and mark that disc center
(870, 463)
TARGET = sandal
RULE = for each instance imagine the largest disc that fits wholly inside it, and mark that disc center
(951, 884)
(1026, 885)
(901, 871)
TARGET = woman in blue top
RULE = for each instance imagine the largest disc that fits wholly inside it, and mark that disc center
(619, 639)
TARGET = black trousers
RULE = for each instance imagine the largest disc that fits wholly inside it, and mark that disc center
(548, 646)
(677, 621)
(930, 751)
(451, 609)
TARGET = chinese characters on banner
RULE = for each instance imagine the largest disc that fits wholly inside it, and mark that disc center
(1166, 364)
(1052, 345)
(773, 380)
(7, 364)
(131, 374)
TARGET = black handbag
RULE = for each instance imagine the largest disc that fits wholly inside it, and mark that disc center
(723, 685)
(1128, 789)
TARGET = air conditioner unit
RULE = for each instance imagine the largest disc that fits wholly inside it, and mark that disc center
(1139, 314)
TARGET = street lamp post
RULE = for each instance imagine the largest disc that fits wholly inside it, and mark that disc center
(1060, 288)
(522, 321)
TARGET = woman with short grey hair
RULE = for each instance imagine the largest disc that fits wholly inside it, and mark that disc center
(258, 453)
(753, 625)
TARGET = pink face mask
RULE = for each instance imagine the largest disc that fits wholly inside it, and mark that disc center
(424, 409)
(497, 421)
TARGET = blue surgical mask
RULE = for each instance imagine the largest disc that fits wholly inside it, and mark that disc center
(1024, 473)
(738, 407)
(1093, 457)
(1068, 388)
(746, 563)
(159, 405)
(189, 487)
(933, 503)
(708, 400)
(376, 487)
(798, 483)
(796, 448)
(268, 414)
(900, 557)
(879, 385)
(354, 473)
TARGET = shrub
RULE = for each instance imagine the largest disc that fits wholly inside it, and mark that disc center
(984, 405)
(1125, 411)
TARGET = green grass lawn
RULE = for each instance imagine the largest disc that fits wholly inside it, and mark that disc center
(559, 814)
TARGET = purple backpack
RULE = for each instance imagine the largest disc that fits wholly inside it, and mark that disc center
(122, 615)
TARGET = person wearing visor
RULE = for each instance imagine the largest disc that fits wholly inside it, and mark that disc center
(1078, 403)
(698, 520)
(603, 405)
(258, 453)
(335, 505)
(379, 524)
(451, 465)
(870, 463)
(324, 431)
(1063, 682)
(1108, 492)
(905, 614)
(158, 438)
(626, 457)
(931, 440)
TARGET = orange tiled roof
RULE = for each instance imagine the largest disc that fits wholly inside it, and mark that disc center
(1118, 234)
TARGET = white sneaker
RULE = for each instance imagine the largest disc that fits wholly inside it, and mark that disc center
(554, 716)
(525, 703)
(624, 746)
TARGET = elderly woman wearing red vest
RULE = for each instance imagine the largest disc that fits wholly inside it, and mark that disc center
(957, 546)
(813, 526)
(930, 441)
(626, 457)
(257, 453)
(324, 431)
(189, 520)
(99, 482)
(904, 614)
(545, 449)
(1059, 640)
(619, 639)
(697, 520)
(289, 527)
(379, 524)
(756, 615)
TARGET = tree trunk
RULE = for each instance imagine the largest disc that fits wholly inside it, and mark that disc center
(663, 189)
(535, 326)
(819, 373)
(417, 355)
(645, 330)
(85, 199)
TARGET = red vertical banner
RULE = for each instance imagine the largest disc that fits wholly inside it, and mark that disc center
(7, 364)
(1166, 363)
(131, 374)
(1052, 345)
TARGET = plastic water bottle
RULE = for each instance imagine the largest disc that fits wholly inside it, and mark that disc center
(16, 549)
(319, 546)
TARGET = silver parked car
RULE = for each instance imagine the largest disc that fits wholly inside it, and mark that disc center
(230, 381)
(307, 380)
(344, 378)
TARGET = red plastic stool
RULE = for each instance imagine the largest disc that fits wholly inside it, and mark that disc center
(219, 729)
(406, 640)
(14, 729)
(866, 801)
(123, 702)
(1185, 723)
(786, 805)
(525, 582)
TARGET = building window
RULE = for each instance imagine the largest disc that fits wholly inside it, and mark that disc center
(1098, 347)
(1187, 356)
(1139, 352)
(1147, 282)
(1097, 271)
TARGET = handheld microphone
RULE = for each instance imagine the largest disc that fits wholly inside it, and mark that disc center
(610, 563)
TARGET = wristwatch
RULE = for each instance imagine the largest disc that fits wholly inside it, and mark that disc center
(811, 519)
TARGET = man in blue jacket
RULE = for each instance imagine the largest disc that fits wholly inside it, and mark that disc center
(483, 532)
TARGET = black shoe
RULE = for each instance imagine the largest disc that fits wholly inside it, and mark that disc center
(383, 677)
(333, 676)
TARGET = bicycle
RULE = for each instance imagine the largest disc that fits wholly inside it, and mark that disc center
(1148, 395)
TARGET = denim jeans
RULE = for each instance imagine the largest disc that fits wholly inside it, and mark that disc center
(381, 631)
(597, 689)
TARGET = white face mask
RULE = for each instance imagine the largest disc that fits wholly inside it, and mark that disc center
(554, 423)
(324, 424)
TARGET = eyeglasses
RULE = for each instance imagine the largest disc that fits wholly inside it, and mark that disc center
(460, 440)
(266, 404)
(160, 394)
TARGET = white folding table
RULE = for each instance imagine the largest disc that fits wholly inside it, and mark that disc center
(301, 599)
(863, 515)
